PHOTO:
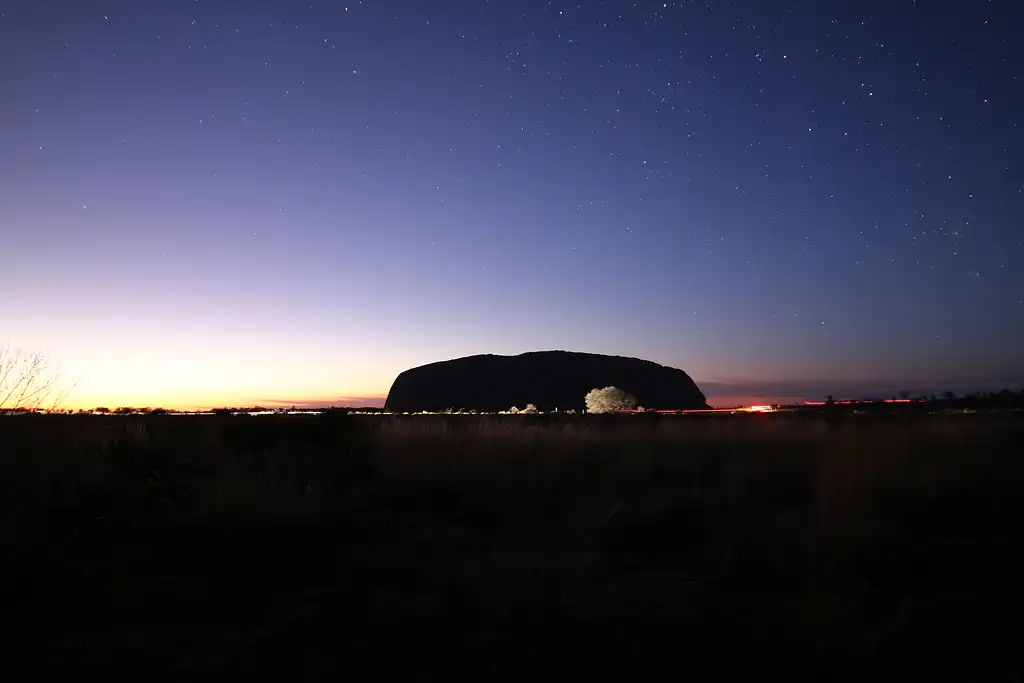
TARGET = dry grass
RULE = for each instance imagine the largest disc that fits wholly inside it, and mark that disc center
(298, 546)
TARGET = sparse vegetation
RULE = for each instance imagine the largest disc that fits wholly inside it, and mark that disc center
(30, 381)
(316, 545)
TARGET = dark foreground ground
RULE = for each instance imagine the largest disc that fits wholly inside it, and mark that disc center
(307, 548)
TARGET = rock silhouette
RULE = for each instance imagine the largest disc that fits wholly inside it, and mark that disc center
(548, 379)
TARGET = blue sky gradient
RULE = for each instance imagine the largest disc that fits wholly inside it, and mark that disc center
(218, 202)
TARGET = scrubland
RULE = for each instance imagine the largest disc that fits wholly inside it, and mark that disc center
(305, 547)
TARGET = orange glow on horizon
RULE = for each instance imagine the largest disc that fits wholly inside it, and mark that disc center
(184, 404)
(198, 377)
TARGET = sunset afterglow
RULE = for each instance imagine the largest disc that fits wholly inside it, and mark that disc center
(207, 204)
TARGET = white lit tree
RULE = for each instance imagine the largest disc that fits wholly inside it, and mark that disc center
(608, 400)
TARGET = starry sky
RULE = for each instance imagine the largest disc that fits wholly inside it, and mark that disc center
(218, 202)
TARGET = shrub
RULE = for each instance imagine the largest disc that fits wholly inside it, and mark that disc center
(608, 400)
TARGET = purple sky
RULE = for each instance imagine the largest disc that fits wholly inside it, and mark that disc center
(209, 203)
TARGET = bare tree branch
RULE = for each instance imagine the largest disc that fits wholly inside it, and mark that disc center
(27, 381)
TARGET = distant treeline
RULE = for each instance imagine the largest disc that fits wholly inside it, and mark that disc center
(993, 400)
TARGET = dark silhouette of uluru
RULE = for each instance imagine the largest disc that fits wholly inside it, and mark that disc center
(548, 379)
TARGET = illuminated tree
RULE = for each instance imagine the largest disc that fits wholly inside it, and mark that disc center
(608, 400)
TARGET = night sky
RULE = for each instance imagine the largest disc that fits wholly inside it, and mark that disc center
(218, 202)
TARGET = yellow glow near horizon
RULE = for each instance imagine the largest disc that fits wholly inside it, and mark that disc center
(192, 378)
